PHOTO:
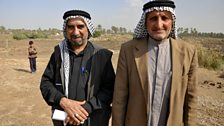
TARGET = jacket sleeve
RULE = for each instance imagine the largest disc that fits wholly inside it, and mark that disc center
(47, 85)
(190, 105)
(103, 97)
(120, 98)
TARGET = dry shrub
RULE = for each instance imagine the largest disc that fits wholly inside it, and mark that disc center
(222, 75)
(210, 59)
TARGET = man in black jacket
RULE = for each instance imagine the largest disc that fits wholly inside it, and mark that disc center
(79, 78)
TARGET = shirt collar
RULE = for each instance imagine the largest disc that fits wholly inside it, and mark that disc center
(82, 52)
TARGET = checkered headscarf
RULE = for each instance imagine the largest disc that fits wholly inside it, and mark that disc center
(160, 5)
(81, 14)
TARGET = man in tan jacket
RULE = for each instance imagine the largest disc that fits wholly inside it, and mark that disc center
(156, 75)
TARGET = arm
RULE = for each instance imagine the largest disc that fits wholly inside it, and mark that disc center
(120, 99)
(191, 96)
(34, 50)
(102, 92)
(47, 86)
(103, 97)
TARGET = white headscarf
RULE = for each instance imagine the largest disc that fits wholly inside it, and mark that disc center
(140, 31)
(87, 21)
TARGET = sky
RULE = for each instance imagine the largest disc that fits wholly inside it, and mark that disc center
(204, 15)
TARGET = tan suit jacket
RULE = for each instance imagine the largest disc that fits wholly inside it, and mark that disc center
(130, 102)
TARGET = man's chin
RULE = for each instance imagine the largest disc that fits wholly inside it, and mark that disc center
(76, 43)
(158, 37)
(76, 39)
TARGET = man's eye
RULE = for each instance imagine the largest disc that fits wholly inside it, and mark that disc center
(165, 18)
(80, 26)
(153, 18)
(70, 26)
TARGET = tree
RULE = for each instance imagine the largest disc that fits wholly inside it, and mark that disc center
(2, 28)
(99, 28)
(114, 29)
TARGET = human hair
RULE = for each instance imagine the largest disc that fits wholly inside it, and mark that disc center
(30, 42)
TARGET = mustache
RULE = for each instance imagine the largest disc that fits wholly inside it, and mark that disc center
(75, 36)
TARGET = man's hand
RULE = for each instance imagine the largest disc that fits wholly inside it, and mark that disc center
(76, 113)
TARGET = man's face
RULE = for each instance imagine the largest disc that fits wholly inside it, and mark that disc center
(159, 24)
(76, 31)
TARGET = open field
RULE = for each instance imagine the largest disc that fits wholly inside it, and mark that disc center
(22, 104)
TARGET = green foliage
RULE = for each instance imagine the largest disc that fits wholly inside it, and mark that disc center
(39, 35)
(217, 64)
(210, 59)
(2, 28)
(97, 34)
(19, 35)
(183, 32)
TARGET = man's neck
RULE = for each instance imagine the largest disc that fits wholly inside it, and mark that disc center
(157, 42)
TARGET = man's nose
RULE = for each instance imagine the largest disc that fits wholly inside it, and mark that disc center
(75, 30)
(159, 23)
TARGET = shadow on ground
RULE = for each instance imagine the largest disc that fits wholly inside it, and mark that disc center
(22, 70)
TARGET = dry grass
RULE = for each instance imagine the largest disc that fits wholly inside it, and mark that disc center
(23, 105)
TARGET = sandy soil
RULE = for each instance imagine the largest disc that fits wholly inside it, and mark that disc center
(21, 103)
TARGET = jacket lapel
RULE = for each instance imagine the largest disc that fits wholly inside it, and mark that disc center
(177, 68)
(88, 76)
(141, 59)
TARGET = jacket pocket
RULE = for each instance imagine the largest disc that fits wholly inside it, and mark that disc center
(59, 87)
(57, 84)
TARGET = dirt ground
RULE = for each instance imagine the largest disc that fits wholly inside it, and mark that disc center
(21, 103)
